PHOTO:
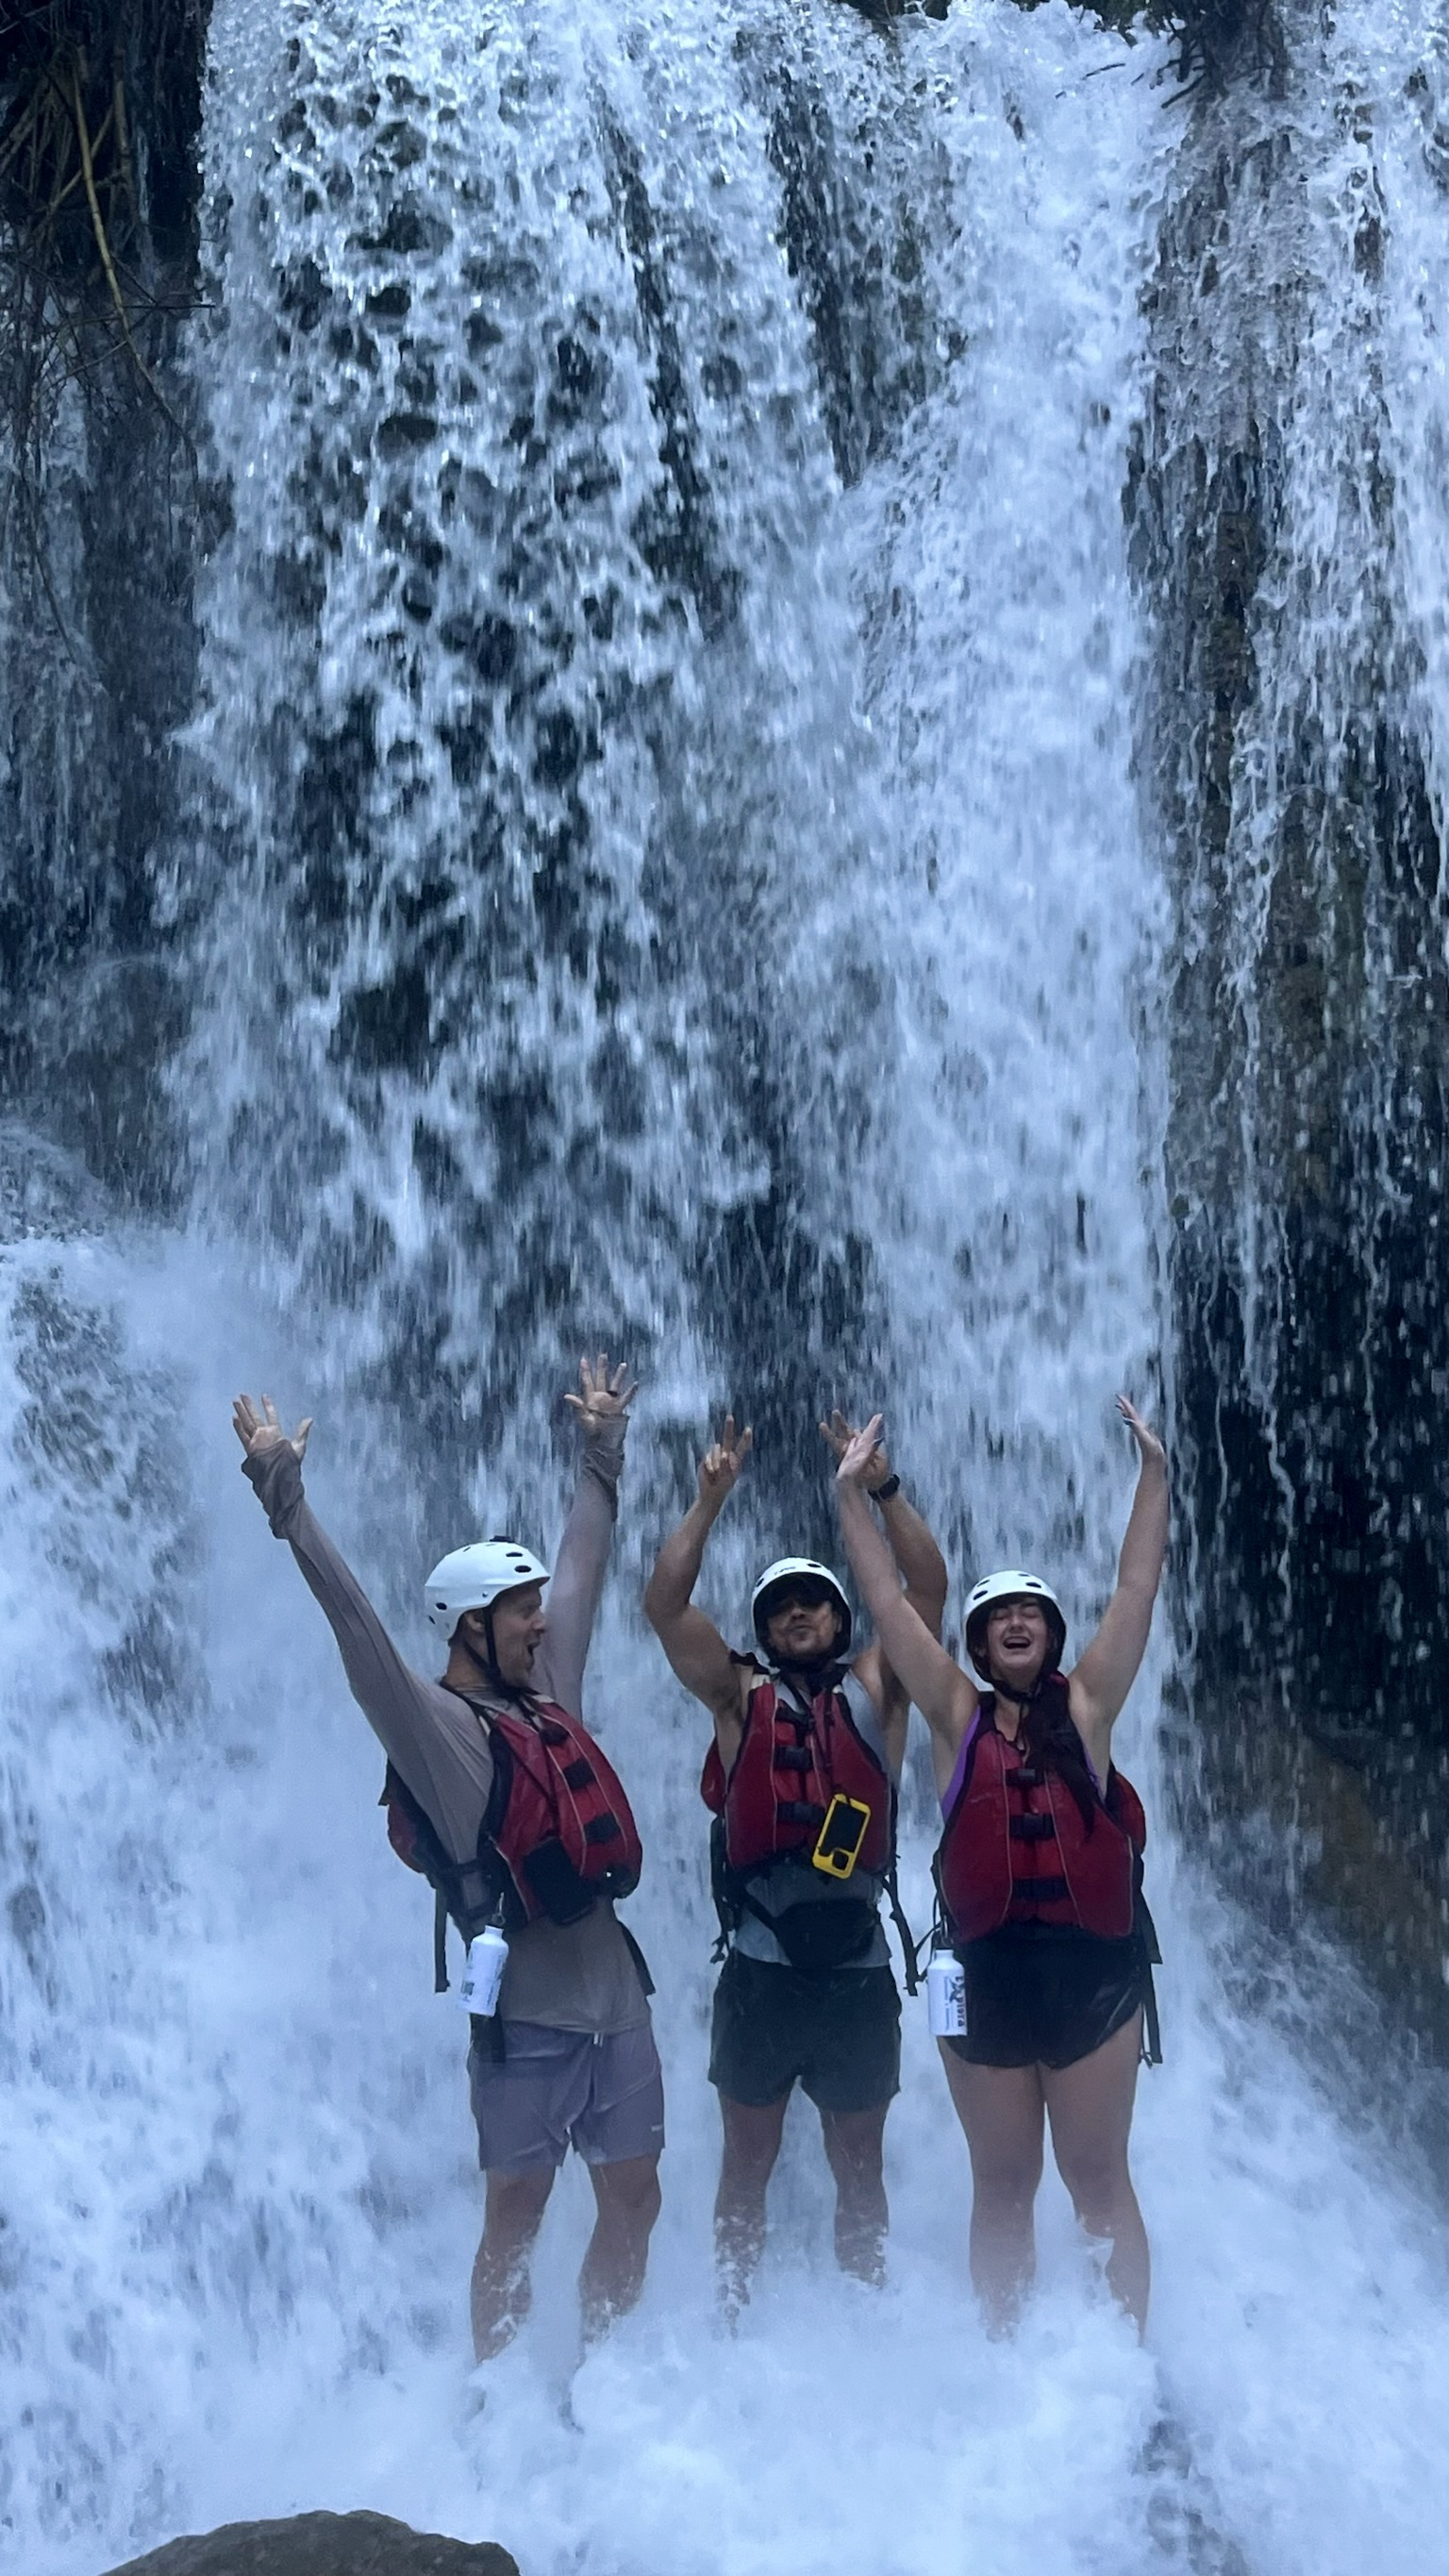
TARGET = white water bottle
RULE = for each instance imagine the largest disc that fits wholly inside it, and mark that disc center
(946, 1995)
(483, 1972)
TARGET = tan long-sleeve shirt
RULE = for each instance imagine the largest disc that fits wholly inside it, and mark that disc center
(576, 1976)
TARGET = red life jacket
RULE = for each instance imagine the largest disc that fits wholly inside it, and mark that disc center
(794, 1757)
(558, 1833)
(1016, 1848)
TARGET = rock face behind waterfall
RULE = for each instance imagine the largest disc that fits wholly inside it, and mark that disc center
(100, 103)
(323, 2544)
(1292, 731)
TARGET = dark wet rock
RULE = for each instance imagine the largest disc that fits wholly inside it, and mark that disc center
(1218, 41)
(1309, 1092)
(403, 144)
(407, 228)
(322, 2544)
(44, 1192)
(402, 431)
(100, 498)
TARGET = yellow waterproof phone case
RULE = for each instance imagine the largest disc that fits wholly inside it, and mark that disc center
(837, 1845)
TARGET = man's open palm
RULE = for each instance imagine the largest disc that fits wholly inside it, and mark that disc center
(260, 1433)
(604, 1397)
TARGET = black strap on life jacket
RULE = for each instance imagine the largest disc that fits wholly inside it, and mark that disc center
(835, 1681)
(470, 1893)
(1147, 1933)
(1033, 1829)
(904, 1934)
(440, 1942)
(732, 1898)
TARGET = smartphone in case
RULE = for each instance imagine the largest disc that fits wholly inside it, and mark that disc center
(837, 1845)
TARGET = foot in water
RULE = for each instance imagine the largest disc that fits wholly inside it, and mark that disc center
(478, 2387)
(1184, 2519)
(480, 2399)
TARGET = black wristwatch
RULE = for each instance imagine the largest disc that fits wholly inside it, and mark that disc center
(887, 1492)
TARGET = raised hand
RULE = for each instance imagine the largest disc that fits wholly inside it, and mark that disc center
(1149, 1448)
(839, 1434)
(605, 1398)
(860, 1460)
(259, 1433)
(720, 1466)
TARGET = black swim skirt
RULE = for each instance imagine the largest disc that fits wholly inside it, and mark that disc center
(1046, 1994)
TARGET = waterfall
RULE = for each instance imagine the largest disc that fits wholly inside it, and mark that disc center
(1288, 529)
(688, 836)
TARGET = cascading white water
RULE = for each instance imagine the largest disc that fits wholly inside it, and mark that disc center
(622, 837)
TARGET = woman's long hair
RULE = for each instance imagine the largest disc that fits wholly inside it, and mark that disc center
(1051, 1742)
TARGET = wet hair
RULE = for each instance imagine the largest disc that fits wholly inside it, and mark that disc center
(1050, 1742)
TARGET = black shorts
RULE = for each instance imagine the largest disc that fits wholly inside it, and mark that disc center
(1042, 1994)
(838, 2035)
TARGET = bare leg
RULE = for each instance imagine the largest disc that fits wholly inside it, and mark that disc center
(1000, 2109)
(1090, 2107)
(627, 2197)
(751, 2143)
(501, 2289)
(854, 2142)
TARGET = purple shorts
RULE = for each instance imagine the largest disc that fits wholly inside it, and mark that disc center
(553, 2089)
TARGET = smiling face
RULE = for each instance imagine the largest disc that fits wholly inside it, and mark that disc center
(804, 1624)
(1017, 1641)
(518, 1629)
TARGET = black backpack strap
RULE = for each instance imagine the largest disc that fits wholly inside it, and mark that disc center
(488, 2033)
(1152, 1958)
(744, 1903)
(1151, 2027)
(904, 1934)
(724, 1888)
(751, 1905)
(640, 1962)
(471, 1893)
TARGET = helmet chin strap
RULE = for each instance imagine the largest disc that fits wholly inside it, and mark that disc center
(1008, 1690)
(488, 1663)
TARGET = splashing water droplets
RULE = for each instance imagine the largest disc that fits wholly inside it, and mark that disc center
(670, 868)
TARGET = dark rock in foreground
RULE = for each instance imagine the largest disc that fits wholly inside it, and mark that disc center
(322, 2544)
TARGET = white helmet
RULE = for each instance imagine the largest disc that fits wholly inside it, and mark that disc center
(786, 1571)
(1011, 1584)
(474, 1577)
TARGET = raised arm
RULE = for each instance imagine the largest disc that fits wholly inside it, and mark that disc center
(1108, 1669)
(696, 1650)
(944, 1695)
(921, 1568)
(577, 1582)
(435, 1743)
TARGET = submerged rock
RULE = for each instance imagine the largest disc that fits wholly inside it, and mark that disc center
(322, 2544)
